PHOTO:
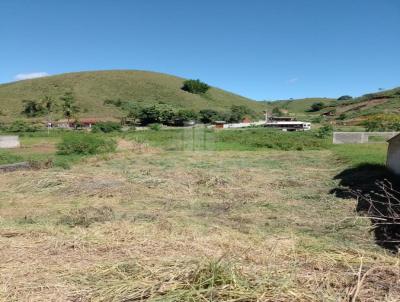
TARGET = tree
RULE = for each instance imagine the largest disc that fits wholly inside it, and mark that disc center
(208, 116)
(345, 98)
(342, 116)
(49, 104)
(276, 111)
(150, 115)
(195, 86)
(238, 113)
(32, 108)
(183, 116)
(69, 108)
(317, 106)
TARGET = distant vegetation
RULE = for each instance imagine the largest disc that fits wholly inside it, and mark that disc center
(317, 106)
(195, 86)
(167, 115)
(345, 98)
(106, 127)
(383, 122)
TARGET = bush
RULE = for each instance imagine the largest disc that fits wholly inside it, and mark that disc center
(155, 127)
(195, 86)
(238, 113)
(21, 126)
(208, 116)
(324, 131)
(106, 127)
(183, 116)
(317, 106)
(85, 144)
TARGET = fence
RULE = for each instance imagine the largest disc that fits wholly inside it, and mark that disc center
(361, 137)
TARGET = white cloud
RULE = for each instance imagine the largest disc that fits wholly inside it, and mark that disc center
(293, 80)
(32, 75)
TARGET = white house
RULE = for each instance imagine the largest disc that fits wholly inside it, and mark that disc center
(393, 155)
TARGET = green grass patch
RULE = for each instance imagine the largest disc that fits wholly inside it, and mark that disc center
(7, 157)
(234, 140)
(356, 154)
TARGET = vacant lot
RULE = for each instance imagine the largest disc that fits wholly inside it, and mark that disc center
(150, 224)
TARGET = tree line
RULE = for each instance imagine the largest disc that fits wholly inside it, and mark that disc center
(49, 105)
(167, 115)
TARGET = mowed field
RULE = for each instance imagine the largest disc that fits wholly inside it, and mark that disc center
(150, 223)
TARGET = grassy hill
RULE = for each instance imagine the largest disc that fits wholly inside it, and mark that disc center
(301, 105)
(91, 89)
(356, 109)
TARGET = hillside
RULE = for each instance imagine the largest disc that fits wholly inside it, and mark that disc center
(356, 109)
(91, 89)
(301, 105)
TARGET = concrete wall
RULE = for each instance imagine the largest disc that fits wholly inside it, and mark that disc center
(393, 157)
(359, 137)
(7, 142)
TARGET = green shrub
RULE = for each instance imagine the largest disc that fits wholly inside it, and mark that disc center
(155, 127)
(85, 144)
(317, 106)
(21, 126)
(208, 116)
(324, 131)
(195, 86)
(106, 127)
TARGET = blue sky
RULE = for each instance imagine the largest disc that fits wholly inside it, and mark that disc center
(263, 49)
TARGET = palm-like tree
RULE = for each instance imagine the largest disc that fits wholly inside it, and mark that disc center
(69, 107)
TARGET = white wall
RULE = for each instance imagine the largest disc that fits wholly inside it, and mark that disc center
(8, 142)
(393, 157)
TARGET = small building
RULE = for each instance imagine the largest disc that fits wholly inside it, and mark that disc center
(393, 154)
(219, 124)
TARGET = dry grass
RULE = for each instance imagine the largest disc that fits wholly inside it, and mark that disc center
(188, 226)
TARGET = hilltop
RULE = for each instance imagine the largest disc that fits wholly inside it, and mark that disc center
(91, 89)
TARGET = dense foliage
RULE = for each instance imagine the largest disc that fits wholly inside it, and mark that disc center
(195, 86)
(106, 127)
(317, 106)
(345, 98)
(69, 107)
(383, 122)
(21, 126)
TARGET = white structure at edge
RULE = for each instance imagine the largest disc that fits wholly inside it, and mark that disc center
(9, 142)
